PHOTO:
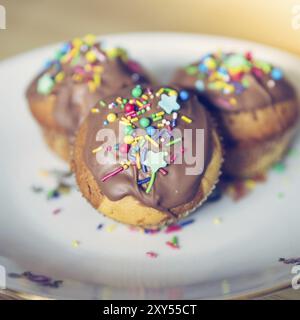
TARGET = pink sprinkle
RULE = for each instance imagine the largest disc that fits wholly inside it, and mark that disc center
(172, 245)
(56, 211)
(152, 254)
(109, 148)
(172, 158)
(182, 150)
(173, 228)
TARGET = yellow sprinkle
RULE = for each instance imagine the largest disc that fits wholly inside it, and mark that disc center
(145, 97)
(139, 103)
(111, 228)
(77, 42)
(97, 149)
(59, 77)
(75, 243)
(186, 119)
(89, 39)
(250, 184)
(161, 113)
(91, 56)
(92, 86)
(125, 120)
(119, 100)
(173, 93)
(217, 221)
(159, 92)
(95, 110)
(151, 141)
(97, 79)
(134, 119)
(160, 125)
(138, 160)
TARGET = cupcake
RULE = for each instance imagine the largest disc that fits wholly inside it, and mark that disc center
(147, 156)
(81, 73)
(255, 106)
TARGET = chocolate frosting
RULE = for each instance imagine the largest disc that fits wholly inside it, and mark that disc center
(74, 97)
(266, 84)
(169, 191)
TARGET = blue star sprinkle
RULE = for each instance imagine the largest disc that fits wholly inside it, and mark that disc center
(169, 103)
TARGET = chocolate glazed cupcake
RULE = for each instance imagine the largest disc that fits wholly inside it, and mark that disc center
(255, 106)
(80, 74)
(159, 168)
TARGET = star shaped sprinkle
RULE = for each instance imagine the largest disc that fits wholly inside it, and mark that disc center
(169, 103)
(155, 160)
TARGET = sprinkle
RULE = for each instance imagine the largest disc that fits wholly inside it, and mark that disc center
(75, 243)
(56, 211)
(111, 227)
(152, 254)
(146, 180)
(97, 149)
(173, 243)
(100, 226)
(138, 160)
(186, 119)
(184, 95)
(217, 221)
(168, 103)
(113, 173)
(111, 117)
(173, 228)
(95, 110)
(163, 171)
(137, 91)
(279, 167)
(150, 130)
(45, 84)
(175, 141)
(128, 139)
(199, 84)
(155, 119)
(151, 182)
(276, 74)
(144, 122)
(153, 142)
(186, 222)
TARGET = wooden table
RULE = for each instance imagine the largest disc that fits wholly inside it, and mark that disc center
(34, 23)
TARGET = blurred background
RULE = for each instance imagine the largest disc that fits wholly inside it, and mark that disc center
(34, 23)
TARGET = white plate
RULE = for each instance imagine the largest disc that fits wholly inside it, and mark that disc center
(239, 256)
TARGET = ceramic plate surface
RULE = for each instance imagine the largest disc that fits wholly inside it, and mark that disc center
(53, 244)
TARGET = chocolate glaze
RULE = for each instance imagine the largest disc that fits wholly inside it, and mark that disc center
(170, 191)
(74, 99)
(259, 94)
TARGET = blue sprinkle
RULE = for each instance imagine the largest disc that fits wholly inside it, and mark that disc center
(65, 48)
(100, 226)
(150, 130)
(199, 84)
(140, 182)
(202, 68)
(187, 222)
(276, 74)
(105, 122)
(184, 95)
(173, 123)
